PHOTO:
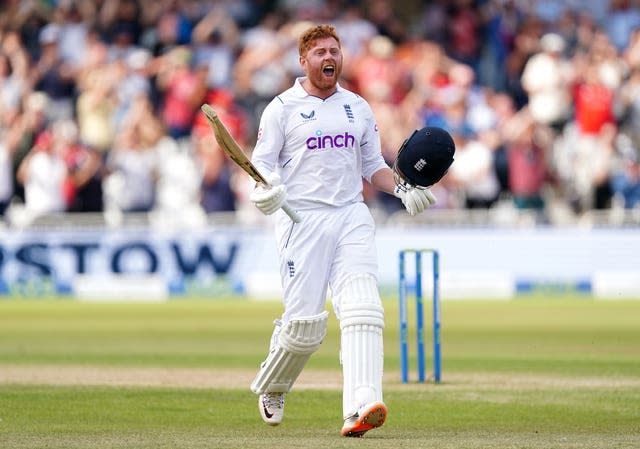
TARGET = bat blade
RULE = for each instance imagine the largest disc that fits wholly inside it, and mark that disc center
(229, 144)
(233, 150)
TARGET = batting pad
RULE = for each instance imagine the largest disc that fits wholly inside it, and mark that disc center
(361, 316)
(294, 344)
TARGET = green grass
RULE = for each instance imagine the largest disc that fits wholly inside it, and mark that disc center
(528, 373)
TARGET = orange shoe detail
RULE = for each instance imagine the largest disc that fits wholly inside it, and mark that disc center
(367, 418)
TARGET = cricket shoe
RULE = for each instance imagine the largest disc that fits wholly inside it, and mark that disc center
(271, 407)
(368, 417)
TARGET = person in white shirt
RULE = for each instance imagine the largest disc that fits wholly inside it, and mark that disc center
(43, 173)
(316, 142)
(547, 77)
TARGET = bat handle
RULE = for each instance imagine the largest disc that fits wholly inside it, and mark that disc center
(291, 213)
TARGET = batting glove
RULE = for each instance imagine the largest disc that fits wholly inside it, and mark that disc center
(269, 199)
(415, 199)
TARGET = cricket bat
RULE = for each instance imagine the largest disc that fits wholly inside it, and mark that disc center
(233, 150)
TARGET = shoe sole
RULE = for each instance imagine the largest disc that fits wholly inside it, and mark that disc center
(374, 416)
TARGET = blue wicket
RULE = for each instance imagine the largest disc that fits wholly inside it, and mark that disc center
(404, 322)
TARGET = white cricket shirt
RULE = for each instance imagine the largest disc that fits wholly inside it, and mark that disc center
(321, 148)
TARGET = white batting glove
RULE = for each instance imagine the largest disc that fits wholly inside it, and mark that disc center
(415, 199)
(269, 199)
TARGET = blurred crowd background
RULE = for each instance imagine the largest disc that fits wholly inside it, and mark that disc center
(100, 100)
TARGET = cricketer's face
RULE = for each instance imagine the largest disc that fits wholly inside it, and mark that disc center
(323, 63)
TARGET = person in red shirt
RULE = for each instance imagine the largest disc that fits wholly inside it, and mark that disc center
(593, 103)
(183, 91)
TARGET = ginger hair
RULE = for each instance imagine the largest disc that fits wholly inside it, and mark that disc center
(308, 38)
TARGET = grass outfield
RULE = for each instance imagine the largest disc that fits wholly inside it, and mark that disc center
(528, 373)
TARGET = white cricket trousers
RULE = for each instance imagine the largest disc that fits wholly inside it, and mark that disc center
(320, 252)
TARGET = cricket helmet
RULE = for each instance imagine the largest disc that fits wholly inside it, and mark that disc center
(424, 157)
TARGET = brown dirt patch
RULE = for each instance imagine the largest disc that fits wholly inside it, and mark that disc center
(151, 377)
(241, 378)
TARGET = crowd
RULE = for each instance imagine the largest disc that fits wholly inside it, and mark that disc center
(100, 100)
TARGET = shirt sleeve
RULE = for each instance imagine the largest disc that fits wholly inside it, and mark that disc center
(371, 148)
(270, 139)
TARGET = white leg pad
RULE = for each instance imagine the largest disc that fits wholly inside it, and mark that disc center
(291, 347)
(361, 316)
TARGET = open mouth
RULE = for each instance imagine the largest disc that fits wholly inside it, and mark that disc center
(329, 70)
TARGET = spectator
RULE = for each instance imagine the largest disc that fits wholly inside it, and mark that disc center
(53, 76)
(183, 91)
(216, 39)
(28, 18)
(586, 28)
(74, 30)
(96, 107)
(502, 20)
(135, 73)
(630, 105)
(132, 165)
(96, 57)
(21, 137)
(546, 79)
(259, 73)
(43, 173)
(449, 110)
(177, 199)
(473, 172)
(503, 109)
(593, 102)
(218, 174)
(216, 191)
(629, 92)
(425, 63)
(376, 74)
(119, 23)
(631, 54)
(83, 189)
(464, 33)
(623, 17)
(383, 16)
(14, 67)
(479, 115)
(13, 71)
(356, 30)
(625, 179)
(432, 23)
(525, 45)
(528, 169)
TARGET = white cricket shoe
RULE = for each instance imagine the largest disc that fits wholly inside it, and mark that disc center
(271, 407)
(368, 417)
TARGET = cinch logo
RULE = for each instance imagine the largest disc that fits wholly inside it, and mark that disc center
(320, 142)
